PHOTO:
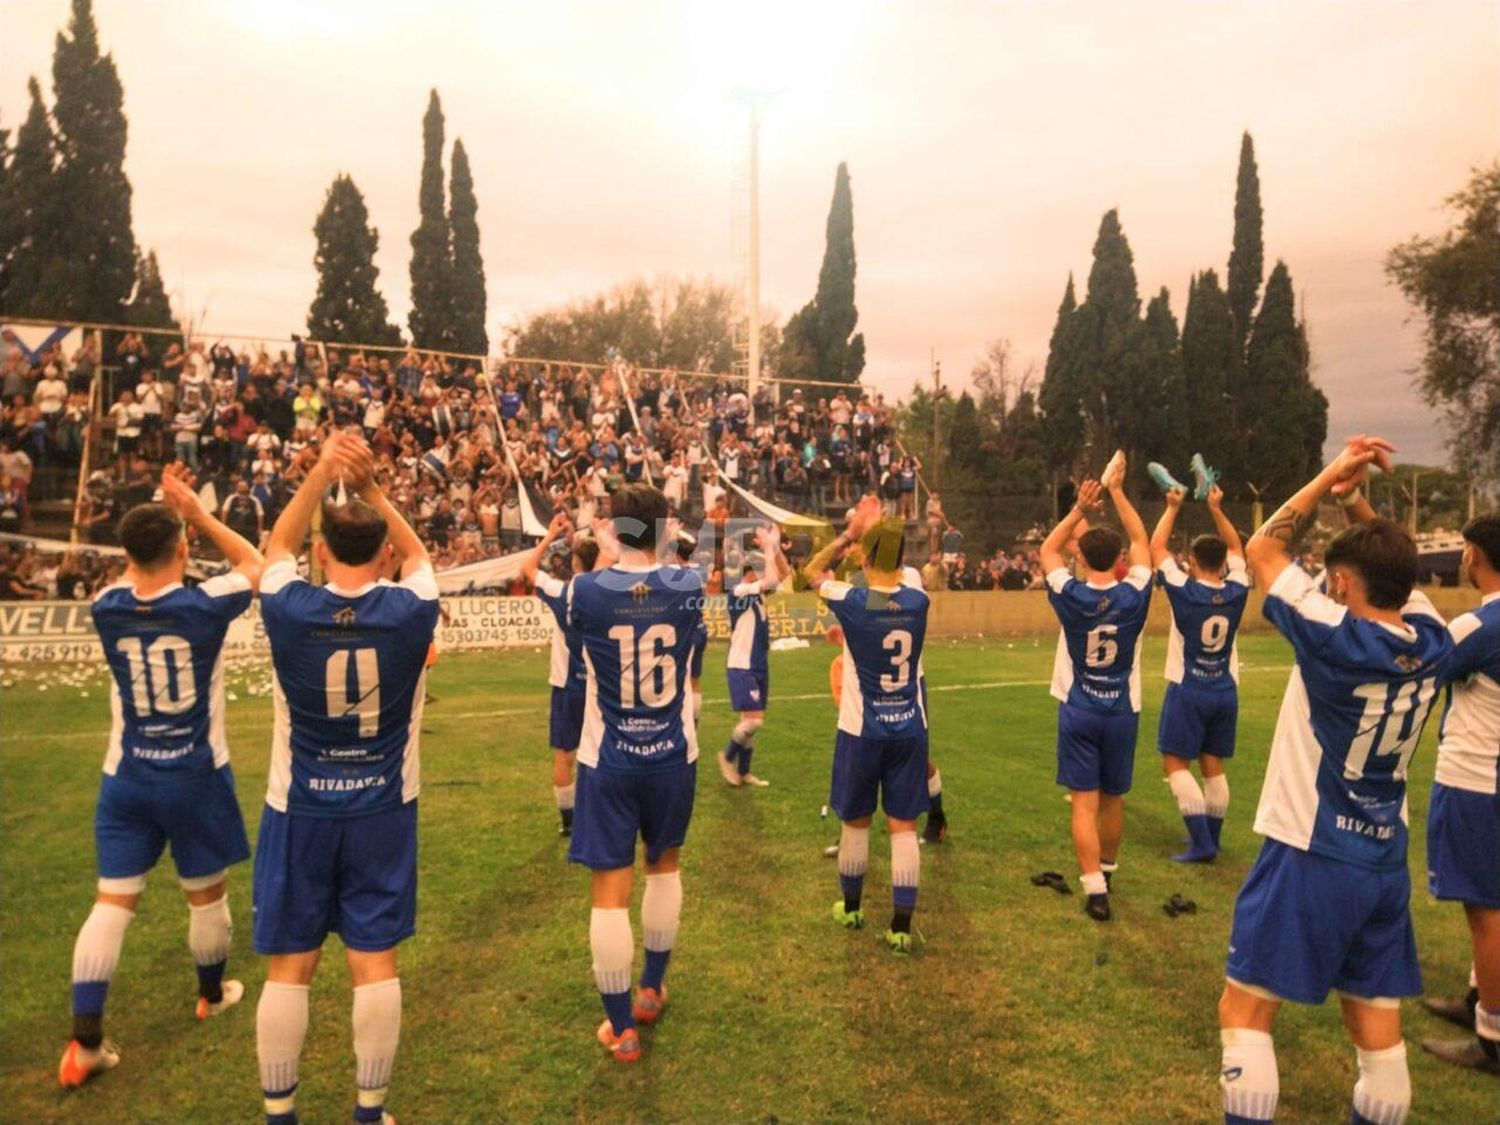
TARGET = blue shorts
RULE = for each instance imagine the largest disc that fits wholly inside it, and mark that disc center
(1095, 751)
(1197, 722)
(198, 815)
(566, 726)
(1305, 923)
(892, 769)
(749, 691)
(1463, 846)
(611, 809)
(355, 876)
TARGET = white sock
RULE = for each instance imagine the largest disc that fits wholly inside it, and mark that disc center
(280, 1028)
(661, 910)
(96, 953)
(1383, 1093)
(377, 1031)
(1216, 795)
(1185, 789)
(1487, 1023)
(935, 784)
(613, 946)
(209, 929)
(564, 795)
(906, 868)
(854, 851)
(1248, 1075)
(1093, 883)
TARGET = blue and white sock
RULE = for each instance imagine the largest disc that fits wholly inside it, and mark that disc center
(906, 874)
(377, 1033)
(209, 932)
(661, 911)
(854, 860)
(1382, 1096)
(280, 1028)
(613, 947)
(96, 955)
(1248, 1076)
(1216, 804)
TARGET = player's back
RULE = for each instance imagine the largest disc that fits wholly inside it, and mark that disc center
(1350, 720)
(637, 628)
(349, 675)
(749, 631)
(884, 631)
(1201, 649)
(1469, 743)
(165, 656)
(1098, 658)
(565, 664)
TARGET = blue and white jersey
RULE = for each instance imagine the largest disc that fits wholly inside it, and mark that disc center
(1201, 651)
(566, 668)
(1350, 721)
(165, 655)
(637, 627)
(1098, 662)
(883, 694)
(349, 680)
(1469, 739)
(749, 633)
(696, 575)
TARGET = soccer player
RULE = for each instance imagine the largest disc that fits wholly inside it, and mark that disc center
(880, 751)
(637, 759)
(1327, 903)
(1201, 707)
(1463, 818)
(684, 546)
(749, 649)
(567, 675)
(166, 772)
(338, 836)
(1096, 676)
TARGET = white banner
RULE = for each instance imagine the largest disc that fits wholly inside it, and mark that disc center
(38, 632)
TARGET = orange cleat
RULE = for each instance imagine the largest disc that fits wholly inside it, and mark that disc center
(625, 1047)
(79, 1065)
(233, 993)
(649, 1004)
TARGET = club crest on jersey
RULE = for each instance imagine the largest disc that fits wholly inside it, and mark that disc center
(1406, 662)
(640, 591)
(344, 617)
(1218, 599)
(1103, 603)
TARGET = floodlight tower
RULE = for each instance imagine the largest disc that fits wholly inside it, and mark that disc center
(746, 235)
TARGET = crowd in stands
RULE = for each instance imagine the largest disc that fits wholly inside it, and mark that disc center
(249, 423)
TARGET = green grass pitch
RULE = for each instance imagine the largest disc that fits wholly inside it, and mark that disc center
(1014, 1008)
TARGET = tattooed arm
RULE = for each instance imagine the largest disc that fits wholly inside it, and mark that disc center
(1269, 551)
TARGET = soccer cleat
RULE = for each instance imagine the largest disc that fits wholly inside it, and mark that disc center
(1200, 842)
(564, 830)
(649, 1004)
(1115, 463)
(79, 1065)
(233, 993)
(1204, 477)
(849, 919)
(1097, 907)
(728, 770)
(1467, 1053)
(625, 1047)
(831, 851)
(754, 782)
(898, 943)
(1164, 479)
(935, 829)
(1454, 1009)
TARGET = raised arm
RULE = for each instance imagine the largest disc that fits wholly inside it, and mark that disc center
(866, 512)
(1160, 551)
(290, 531)
(1269, 550)
(1053, 551)
(776, 567)
(179, 495)
(555, 530)
(1130, 519)
(1222, 523)
(355, 461)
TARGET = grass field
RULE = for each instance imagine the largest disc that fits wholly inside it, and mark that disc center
(1016, 1007)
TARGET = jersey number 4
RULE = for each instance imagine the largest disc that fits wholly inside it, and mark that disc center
(647, 667)
(1387, 714)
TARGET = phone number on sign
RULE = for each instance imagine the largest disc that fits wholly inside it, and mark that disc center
(51, 651)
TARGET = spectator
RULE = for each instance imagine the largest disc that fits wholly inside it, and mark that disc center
(935, 574)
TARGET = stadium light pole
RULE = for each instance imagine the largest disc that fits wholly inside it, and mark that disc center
(753, 351)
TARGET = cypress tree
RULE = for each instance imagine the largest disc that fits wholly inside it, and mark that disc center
(432, 244)
(94, 269)
(1060, 401)
(7, 221)
(1247, 256)
(30, 211)
(1207, 351)
(816, 341)
(149, 306)
(1163, 428)
(1113, 355)
(348, 307)
(468, 267)
(1282, 407)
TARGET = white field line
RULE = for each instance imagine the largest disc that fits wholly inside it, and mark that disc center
(506, 712)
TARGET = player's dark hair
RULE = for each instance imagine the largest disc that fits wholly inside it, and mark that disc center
(638, 510)
(884, 545)
(1100, 547)
(586, 552)
(685, 546)
(1383, 554)
(1483, 533)
(1209, 552)
(747, 571)
(354, 531)
(149, 534)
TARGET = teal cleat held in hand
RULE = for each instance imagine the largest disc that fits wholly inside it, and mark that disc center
(1164, 478)
(1205, 477)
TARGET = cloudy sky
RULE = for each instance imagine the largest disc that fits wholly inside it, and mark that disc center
(984, 140)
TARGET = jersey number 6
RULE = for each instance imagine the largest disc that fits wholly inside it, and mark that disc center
(646, 662)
